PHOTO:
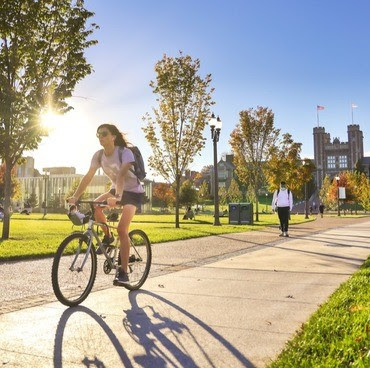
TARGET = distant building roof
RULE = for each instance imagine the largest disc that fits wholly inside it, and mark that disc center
(365, 161)
(59, 170)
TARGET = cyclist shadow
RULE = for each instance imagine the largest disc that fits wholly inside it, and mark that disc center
(168, 342)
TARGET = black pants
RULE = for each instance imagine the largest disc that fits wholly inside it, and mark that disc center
(283, 213)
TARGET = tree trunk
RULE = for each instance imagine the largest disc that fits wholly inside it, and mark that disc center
(177, 219)
(7, 193)
(257, 217)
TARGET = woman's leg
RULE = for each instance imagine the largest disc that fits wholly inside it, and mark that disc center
(128, 212)
(99, 214)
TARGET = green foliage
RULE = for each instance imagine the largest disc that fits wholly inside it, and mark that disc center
(188, 194)
(41, 61)
(175, 131)
(251, 194)
(203, 193)
(234, 194)
(32, 200)
(328, 202)
(252, 141)
(72, 190)
(222, 196)
(337, 335)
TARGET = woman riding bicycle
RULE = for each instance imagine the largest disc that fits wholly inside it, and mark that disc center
(117, 161)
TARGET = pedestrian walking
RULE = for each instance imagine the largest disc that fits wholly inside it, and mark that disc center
(282, 202)
(321, 210)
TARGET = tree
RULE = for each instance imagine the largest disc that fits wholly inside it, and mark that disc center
(328, 202)
(285, 164)
(364, 192)
(184, 99)
(188, 194)
(15, 187)
(234, 193)
(251, 194)
(251, 142)
(41, 61)
(203, 193)
(164, 193)
(345, 182)
(222, 196)
(73, 189)
(32, 200)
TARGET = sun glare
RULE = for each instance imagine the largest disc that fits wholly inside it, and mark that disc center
(50, 120)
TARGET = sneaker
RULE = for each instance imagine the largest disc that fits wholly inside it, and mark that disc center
(286, 235)
(121, 278)
(107, 241)
(282, 234)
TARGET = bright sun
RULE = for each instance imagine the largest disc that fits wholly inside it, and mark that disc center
(51, 120)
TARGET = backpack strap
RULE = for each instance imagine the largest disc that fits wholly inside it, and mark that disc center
(120, 152)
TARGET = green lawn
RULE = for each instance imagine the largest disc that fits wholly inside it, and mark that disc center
(338, 334)
(31, 236)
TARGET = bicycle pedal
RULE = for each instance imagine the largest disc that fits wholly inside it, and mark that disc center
(132, 258)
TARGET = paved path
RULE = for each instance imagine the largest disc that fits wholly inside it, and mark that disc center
(233, 302)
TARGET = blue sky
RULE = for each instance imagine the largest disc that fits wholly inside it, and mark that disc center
(288, 55)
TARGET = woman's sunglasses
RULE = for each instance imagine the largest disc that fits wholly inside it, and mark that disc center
(102, 134)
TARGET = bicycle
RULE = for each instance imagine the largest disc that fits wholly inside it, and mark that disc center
(75, 262)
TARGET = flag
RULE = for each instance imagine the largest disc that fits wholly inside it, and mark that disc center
(354, 106)
(320, 107)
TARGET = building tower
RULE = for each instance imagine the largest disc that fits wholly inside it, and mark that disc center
(355, 143)
(320, 138)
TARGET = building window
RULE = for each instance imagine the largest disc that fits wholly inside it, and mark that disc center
(331, 162)
(342, 162)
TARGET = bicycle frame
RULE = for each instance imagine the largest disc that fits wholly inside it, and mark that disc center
(90, 233)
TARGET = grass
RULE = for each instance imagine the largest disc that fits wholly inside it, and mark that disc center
(31, 236)
(338, 333)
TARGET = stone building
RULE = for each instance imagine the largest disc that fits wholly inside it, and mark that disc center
(332, 157)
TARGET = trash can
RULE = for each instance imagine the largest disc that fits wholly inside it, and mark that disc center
(241, 213)
(234, 209)
(246, 213)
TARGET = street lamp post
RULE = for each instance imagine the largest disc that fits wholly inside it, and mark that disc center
(215, 125)
(337, 179)
(266, 202)
(305, 196)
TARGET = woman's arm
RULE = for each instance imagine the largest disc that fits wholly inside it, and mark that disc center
(125, 167)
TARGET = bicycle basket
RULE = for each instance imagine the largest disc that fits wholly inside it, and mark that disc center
(77, 220)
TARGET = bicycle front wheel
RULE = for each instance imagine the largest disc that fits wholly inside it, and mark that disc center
(74, 270)
(140, 259)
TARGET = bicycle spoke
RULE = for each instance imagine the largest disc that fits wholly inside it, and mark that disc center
(72, 282)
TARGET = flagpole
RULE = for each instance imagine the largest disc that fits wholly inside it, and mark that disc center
(318, 121)
(352, 112)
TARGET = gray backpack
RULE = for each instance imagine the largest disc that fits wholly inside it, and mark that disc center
(139, 166)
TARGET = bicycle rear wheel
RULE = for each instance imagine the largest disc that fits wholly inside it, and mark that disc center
(74, 271)
(140, 259)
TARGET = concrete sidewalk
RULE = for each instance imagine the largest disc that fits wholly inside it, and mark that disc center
(235, 312)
